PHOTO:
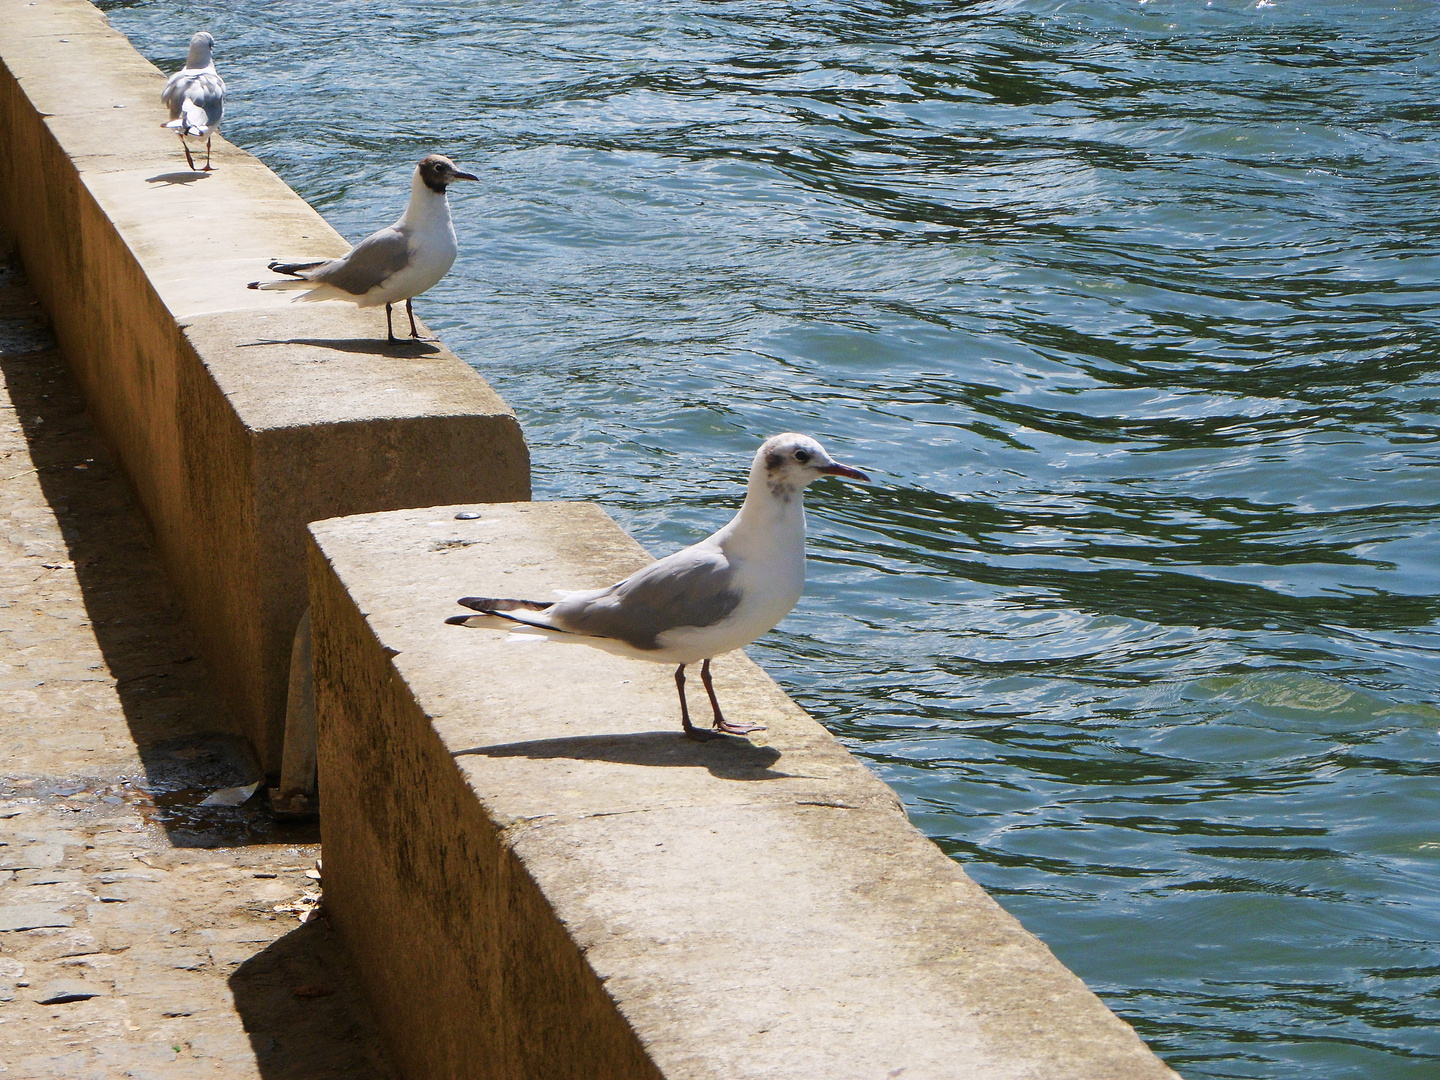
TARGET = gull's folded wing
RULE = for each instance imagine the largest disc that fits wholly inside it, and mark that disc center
(693, 587)
(370, 263)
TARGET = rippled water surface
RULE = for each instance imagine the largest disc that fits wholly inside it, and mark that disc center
(1130, 306)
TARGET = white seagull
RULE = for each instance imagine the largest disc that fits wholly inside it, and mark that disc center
(707, 599)
(195, 96)
(394, 264)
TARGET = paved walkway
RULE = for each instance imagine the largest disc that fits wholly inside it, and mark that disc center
(141, 934)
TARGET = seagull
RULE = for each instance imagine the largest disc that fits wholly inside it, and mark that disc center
(195, 96)
(393, 264)
(707, 599)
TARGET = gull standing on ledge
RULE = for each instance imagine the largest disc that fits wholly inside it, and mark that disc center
(195, 96)
(710, 598)
(394, 264)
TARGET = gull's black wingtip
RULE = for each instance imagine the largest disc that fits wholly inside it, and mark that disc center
(294, 269)
(494, 605)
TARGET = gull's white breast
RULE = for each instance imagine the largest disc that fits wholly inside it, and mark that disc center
(432, 249)
(770, 584)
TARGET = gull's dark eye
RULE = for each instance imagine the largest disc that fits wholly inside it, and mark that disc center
(802, 456)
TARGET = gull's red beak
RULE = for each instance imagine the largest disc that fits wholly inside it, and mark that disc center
(836, 469)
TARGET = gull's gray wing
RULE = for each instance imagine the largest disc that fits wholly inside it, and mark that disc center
(173, 95)
(693, 587)
(209, 94)
(205, 89)
(369, 263)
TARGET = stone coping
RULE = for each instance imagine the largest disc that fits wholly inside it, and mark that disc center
(237, 415)
(539, 876)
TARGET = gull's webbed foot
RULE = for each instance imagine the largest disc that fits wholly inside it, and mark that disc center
(732, 728)
(700, 734)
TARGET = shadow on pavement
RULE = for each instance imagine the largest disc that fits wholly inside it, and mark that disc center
(729, 759)
(301, 1005)
(180, 725)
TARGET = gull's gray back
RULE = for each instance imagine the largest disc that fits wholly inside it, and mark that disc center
(693, 587)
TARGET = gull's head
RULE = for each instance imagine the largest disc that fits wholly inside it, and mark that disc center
(439, 172)
(786, 463)
(202, 47)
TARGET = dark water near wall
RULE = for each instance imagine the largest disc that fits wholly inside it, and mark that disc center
(1132, 308)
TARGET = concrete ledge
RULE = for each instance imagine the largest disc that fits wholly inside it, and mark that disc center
(539, 876)
(237, 416)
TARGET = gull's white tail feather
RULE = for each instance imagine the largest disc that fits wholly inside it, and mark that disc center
(283, 283)
(192, 120)
(316, 290)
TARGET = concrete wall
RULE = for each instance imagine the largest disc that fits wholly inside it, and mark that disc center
(237, 416)
(539, 876)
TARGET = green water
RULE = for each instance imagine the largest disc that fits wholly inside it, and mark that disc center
(1131, 309)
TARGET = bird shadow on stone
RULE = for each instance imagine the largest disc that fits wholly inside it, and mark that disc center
(728, 759)
(373, 346)
(173, 178)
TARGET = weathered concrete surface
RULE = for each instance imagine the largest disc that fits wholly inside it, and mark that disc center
(577, 890)
(237, 415)
(138, 932)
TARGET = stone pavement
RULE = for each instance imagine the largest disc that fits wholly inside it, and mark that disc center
(141, 933)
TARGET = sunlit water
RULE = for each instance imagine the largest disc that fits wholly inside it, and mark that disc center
(1130, 306)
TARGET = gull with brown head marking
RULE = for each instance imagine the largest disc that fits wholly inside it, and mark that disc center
(397, 263)
(710, 598)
